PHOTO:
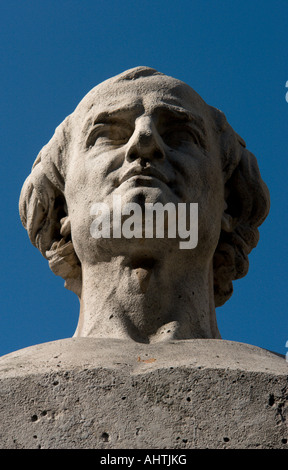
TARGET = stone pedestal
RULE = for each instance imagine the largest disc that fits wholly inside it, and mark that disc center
(110, 394)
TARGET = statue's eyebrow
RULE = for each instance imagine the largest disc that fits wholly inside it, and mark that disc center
(182, 114)
(176, 113)
(111, 116)
(118, 114)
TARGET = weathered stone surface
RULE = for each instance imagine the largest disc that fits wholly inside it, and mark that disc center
(94, 393)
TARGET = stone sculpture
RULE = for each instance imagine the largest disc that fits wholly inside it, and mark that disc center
(162, 380)
(148, 138)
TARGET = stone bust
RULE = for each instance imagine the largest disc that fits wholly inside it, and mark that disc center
(148, 138)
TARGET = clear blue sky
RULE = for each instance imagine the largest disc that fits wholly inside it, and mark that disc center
(233, 53)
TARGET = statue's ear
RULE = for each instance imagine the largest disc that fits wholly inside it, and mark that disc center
(227, 222)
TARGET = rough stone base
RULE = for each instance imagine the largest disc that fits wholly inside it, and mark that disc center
(93, 393)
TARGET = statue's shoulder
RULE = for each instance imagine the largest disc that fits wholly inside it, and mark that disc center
(93, 353)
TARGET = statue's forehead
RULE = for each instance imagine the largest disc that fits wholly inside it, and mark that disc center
(149, 92)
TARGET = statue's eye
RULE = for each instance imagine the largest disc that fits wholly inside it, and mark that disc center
(108, 134)
(175, 137)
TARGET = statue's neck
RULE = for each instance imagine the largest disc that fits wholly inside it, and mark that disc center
(147, 300)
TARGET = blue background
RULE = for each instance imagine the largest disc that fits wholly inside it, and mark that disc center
(233, 53)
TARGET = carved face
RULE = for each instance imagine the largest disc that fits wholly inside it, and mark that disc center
(149, 140)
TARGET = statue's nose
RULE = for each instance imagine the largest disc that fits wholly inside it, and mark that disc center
(145, 143)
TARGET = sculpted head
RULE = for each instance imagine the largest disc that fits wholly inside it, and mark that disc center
(148, 138)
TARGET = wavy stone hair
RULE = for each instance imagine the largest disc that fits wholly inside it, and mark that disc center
(43, 209)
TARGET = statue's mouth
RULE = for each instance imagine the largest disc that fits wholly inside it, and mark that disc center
(147, 173)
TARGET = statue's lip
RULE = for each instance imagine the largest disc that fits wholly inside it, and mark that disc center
(144, 171)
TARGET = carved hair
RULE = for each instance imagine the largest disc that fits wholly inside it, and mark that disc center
(248, 203)
(43, 209)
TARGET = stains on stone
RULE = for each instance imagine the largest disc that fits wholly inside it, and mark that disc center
(146, 361)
